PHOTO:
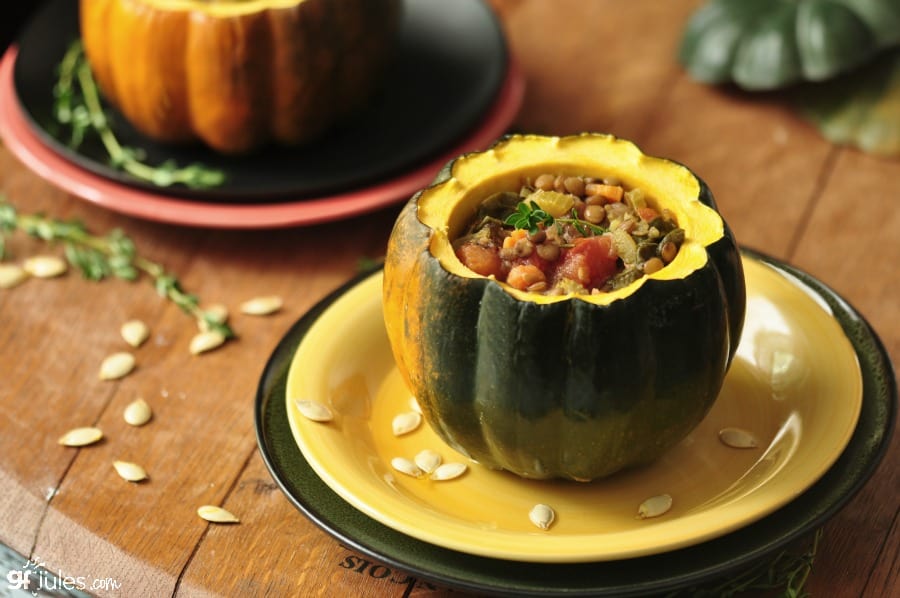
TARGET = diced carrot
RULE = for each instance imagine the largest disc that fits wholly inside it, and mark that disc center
(647, 214)
(609, 192)
(514, 237)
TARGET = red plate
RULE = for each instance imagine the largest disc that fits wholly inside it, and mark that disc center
(25, 145)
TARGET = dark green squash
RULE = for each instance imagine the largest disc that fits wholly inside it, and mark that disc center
(860, 109)
(577, 386)
(768, 44)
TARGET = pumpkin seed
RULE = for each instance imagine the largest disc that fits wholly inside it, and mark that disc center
(206, 341)
(45, 266)
(314, 410)
(428, 460)
(130, 471)
(737, 438)
(542, 516)
(11, 275)
(216, 514)
(117, 366)
(262, 306)
(216, 312)
(655, 506)
(81, 436)
(405, 423)
(134, 332)
(404, 465)
(414, 405)
(448, 471)
(137, 413)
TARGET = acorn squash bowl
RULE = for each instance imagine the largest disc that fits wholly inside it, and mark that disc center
(238, 74)
(575, 386)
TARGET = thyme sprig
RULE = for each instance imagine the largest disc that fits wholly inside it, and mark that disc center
(531, 217)
(77, 106)
(99, 257)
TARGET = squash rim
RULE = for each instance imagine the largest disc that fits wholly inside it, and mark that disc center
(448, 204)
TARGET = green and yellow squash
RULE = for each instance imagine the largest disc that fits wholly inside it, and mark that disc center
(769, 44)
(237, 74)
(571, 386)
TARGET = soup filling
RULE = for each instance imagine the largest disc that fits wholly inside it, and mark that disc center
(569, 235)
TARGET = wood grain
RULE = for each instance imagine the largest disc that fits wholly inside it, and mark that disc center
(597, 65)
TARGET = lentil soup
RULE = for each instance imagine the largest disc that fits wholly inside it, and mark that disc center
(560, 235)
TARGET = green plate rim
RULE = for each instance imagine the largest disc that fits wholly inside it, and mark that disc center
(678, 569)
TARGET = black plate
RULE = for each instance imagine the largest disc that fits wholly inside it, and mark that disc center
(670, 571)
(449, 65)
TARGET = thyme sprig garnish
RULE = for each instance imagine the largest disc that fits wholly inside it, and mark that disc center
(531, 217)
(99, 257)
(77, 106)
(584, 228)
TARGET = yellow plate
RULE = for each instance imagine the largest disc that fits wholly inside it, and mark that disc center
(795, 384)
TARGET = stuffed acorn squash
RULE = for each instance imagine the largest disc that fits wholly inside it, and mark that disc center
(237, 74)
(576, 384)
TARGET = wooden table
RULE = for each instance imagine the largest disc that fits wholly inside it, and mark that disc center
(589, 65)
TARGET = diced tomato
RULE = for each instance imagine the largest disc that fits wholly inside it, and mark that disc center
(536, 260)
(479, 259)
(590, 262)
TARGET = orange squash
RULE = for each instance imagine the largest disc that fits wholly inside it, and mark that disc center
(241, 73)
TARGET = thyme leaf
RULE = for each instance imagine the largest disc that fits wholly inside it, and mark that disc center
(77, 106)
(98, 257)
(530, 216)
(584, 228)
